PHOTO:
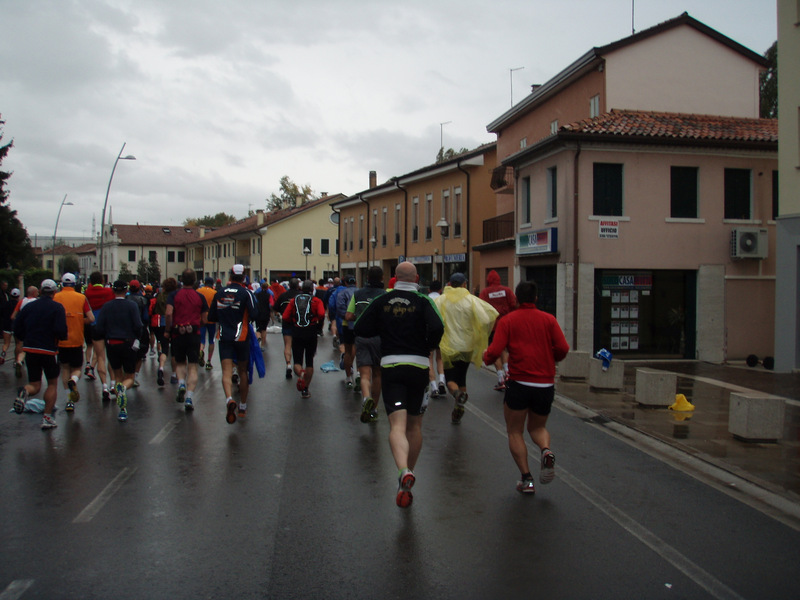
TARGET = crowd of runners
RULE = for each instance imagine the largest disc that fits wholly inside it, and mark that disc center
(398, 346)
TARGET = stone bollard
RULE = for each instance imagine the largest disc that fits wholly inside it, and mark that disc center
(756, 418)
(655, 388)
(574, 366)
(613, 379)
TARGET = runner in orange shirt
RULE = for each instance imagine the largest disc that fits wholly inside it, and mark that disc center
(70, 350)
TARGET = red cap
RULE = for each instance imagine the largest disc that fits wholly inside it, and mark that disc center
(134, 284)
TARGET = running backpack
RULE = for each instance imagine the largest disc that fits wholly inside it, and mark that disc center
(302, 310)
(364, 297)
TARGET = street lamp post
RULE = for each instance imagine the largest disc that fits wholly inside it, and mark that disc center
(105, 204)
(306, 252)
(373, 242)
(55, 230)
(443, 226)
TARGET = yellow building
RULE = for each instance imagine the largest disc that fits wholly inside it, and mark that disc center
(271, 244)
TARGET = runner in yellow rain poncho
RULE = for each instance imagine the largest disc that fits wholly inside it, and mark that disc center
(468, 321)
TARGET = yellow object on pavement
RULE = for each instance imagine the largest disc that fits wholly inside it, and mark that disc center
(682, 404)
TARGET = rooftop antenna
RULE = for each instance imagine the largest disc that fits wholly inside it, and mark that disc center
(441, 134)
(511, 77)
(633, 11)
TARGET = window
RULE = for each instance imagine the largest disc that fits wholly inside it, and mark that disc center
(131, 255)
(374, 235)
(396, 224)
(457, 212)
(775, 208)
(554, 127)
(361, 232)
(307, 244)
(607, 195)
(594, 106)
(683, 192)
(523, 143)
(428, 216)
(415, 220)
(325, 246)
(344, 232)
(170, 256)
(446, 209)
(552, 192)
(352, 231)
(737, 194)
(181, 256)
(384, 225)
(525, 200)
(152, 256)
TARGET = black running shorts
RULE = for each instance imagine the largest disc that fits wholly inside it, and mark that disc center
(538, 400)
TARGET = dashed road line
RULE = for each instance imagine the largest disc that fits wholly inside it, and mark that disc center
(94, 507)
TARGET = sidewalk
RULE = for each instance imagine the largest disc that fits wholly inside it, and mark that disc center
(703, 433)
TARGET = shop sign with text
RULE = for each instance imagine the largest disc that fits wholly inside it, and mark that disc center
(543, 241)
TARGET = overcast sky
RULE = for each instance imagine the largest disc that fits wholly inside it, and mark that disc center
(218, 100)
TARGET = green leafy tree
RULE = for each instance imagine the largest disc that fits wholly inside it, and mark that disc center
(769, 85)
(218, 220)
(444, 155)
(290, 195)
(153, 271)
(125, 273)
(69, 263)
(142, 269)
(15, 246)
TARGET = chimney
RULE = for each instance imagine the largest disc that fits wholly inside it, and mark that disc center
(373, 179)
(260, 216)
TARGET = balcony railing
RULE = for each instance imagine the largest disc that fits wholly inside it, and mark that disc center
(500, 227)
(244, 259)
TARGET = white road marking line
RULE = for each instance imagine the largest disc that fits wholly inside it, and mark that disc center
(161, 435)
(701, 577)
(94, 507)
(16, 588)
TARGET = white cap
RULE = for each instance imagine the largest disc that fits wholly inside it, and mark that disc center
(238, 269)
(15, 293)
(48, 285)
(68, 279)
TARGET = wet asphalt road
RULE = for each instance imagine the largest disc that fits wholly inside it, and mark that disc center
(297, 501)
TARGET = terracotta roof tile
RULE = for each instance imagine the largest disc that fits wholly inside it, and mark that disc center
(156, 235)
(680, 126)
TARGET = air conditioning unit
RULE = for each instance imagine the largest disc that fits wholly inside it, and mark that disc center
(749, 242)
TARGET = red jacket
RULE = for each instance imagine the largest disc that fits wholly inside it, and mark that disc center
(534, 341)
(499, 296)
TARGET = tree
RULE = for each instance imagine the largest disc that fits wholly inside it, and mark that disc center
(125, 273)
(141, 270)
(769, 84)
(153, 271)
(290, 194)
(69, 263)
(218, 220)
(15, 246)
(444, 155)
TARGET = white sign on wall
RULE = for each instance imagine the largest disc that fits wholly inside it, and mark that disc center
(609, 230)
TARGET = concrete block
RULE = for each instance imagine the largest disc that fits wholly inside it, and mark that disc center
(754, 418)
(574, 366)
(613, 379)
(655, 388)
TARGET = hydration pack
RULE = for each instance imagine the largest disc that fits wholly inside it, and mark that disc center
(302, 310)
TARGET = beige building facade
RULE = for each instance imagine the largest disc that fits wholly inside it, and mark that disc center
(649, 225)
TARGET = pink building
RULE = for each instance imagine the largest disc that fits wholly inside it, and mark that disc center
(643, 191)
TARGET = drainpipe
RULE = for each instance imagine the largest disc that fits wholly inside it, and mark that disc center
(467, 202)
(405, 217)
(575, 249)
